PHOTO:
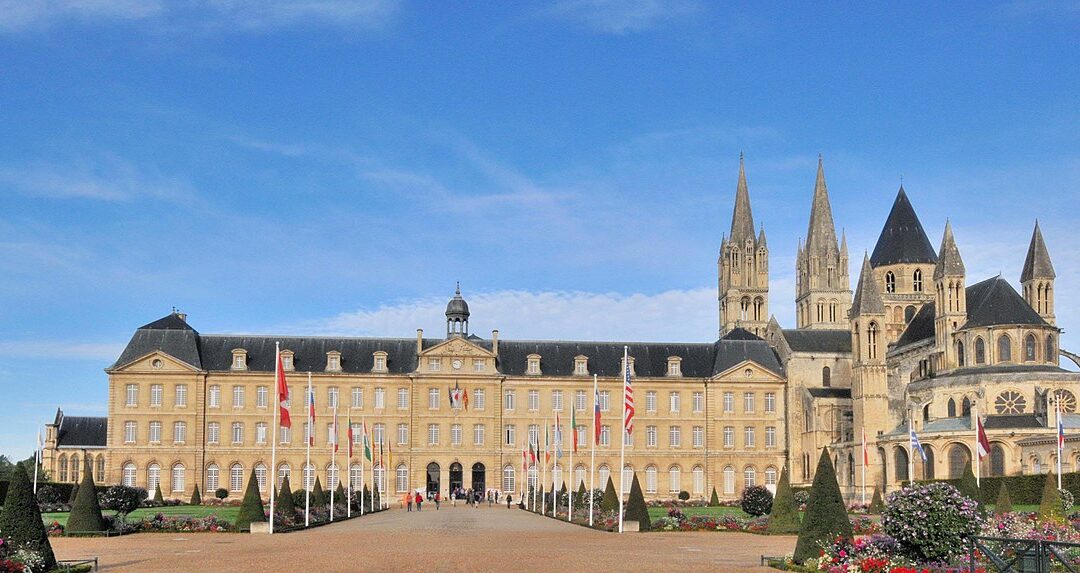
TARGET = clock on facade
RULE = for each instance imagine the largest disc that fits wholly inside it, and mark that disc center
(457, 364)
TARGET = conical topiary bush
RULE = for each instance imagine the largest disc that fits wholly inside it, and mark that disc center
(784, 518)
(581, 497)
(20, 521)
(376, 499)
(610, 501)
(714, 501)
(339, 494)
(1004, 502)
(367, 499)
(1050, 508)
(158, 499)
(283, 503)
(877, 504)
(826, 515)
(196, 497)
(85, 516)
(318, 496)
(251, 509)
(635, 509)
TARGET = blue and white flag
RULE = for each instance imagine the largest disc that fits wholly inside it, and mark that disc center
(915, 445)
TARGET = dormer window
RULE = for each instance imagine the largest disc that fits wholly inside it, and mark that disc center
(333, 361)
(380, 362)
(239, 359)
(287, 360)
(533, 364)
(630, 362)
(674, 366)
(581, 366)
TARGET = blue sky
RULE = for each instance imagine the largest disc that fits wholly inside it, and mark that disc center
(325, 166)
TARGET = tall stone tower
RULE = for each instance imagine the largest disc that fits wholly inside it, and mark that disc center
(743, 269)
(1038, 277)
(869, 387)
(950, 302)
(823, 287)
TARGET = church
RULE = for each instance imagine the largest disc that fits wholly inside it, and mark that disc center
(916, 346)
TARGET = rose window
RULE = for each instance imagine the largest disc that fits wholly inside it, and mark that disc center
(1010, 402)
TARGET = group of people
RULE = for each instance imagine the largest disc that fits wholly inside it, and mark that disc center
(471, 497)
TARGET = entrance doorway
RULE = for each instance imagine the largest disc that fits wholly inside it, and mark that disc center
(433, 477)
(456, 478)
(478, 477)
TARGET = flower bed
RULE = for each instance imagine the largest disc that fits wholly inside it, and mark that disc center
(676, 520)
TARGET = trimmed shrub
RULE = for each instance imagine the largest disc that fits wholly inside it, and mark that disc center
(756, 500)
(196, 497)
(784, 518)
(714, 501)
(931, 521)
(1067, 501)
(582, 496)
(1050, 506)
(20, 522)
(610, 501)
(826, 515)
(122, 499)
(86, 511)
(251, 509)
(684, 495)
(221, 493)
(283, 502)
(635, 509)
(376, 499)
(1004, 503)
(969, 486)
(158, 499)
(366, 498)
(300, 498)
(339, 493)
(877, 504)
(318, 496)
(72, 493)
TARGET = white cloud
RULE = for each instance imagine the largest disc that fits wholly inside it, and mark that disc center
(61, 350)
(622, 17)
(106, 178)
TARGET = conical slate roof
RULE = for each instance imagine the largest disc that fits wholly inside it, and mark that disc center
(903, 239)
(821, 235)
(1037, 265)
(950, 263)
(742, 218)
(867, 295)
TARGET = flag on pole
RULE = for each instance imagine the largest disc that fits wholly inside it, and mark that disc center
(915, 445)
(350, 435)
(283, 394)
(865, 452)
(982, 443)
(628, 399)
(547, 443)
(367, 444)
(558, 436)
(333, 433)
(573, 426)
(465, 398)
(596, 417)
(311, 417)
(1060, 432)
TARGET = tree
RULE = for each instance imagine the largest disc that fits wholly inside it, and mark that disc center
(376, 499)
(610, 501)
(318, 496)
(21, 522)
(877, 504)
(684, 495)
(251, 509)
(366, 499)
(784, 518)
(826, 516)
(283, 503)
(1050, 505)
(969, 486)
(1004, 502)
(582, 496)
(196, 497)
(122, 499)
(756, 500)
(635, 509)
(714, 501)
(339, 494)
(158, 499)
(221, 493)
(85, 516)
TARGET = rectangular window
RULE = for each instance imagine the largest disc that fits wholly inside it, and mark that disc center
(478, 364)
(675, 436)
(215, 396)
(433, 399)
(650, 401)
(455, 434)
(478, 435)
(748, 436)
(132, 395)
(332, 397)
(357, 394)
(699, 437)
(357, 433)
(260, 433)
(238, 433)
(650, 436)
(213, 433)
(699, 402)
(508, 400)
(605, 435)
(770, 437)
(380, 363)
(307, 433)
(380, 398)
(579, 401)
(238, 396)
(435, 364)
(402, 434)
(628, 439)
(479, 399)
(605, 400)
(511, 435)
(770, 402)
(155, 394)
(179, 432)
(378, 433)
(534, 400)
(581, 436)
(729, 436)
(403, 398)
(285, 434)
(534, 434)
(748, 402)
(534, 366)
(729, 402)
(181, 395)
(556, 400)
(262, 397)
(433, 434)
(675, 401)
(129, 432)
(581, 367)
(155, 432)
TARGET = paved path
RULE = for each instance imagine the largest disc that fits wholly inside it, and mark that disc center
(452, 539)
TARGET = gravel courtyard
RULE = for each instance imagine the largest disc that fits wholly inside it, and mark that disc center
(452, 539)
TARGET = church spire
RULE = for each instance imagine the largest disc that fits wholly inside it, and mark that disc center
(867, 295)
(821, 236)
(949, 262)
(1037, 265)
(742, 219)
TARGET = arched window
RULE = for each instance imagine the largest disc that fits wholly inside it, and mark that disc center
(699, 480)
(909, 313)
(284, 471)
(900, 461)
(260, 476)
(952, 408)
(749, 476)
(213, 478)
(916, 281)
(928, 464)
(729, 480)
(1036, 465)
(236, 478)
(980, 351)
(380, 478)
(997, 460)
(926, 413)
(674, 479)
(744, 308)
(832, 311)
(890, 282)
(650, 479)
(1029, 348)
(331, 476)
(99, 468)
(153, 477)
(508, 482)
(965, 407)
(1004, 348)
(958, 458)
(356, 477)
(579, 477)
(871, 339)
(959, 353)
(63, 464)
(821, 310)
(627, 478)
(309, 477)
(826, 377)
(604, 473)
(74, 468)
(129, 474)
(758, 303)
(1051, 352)
(403, 477)
(770, 476)
(178, 478)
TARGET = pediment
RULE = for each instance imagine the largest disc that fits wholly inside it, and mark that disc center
(748, 371)
(156, 361)
(457, 347)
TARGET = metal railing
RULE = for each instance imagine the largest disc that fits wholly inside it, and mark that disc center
(1009, 555)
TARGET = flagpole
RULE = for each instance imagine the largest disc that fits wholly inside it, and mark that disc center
(863, 466)
(543, 479)
(622, 440)
(363, 444)
(1060, 435)
(555, 464)
(333, 463)
(273, 438)
(573, 446)
(592, 456)
(975, 409)
(310, 438)
(348, 462)
(911, 446)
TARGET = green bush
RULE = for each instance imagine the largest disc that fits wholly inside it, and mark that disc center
(756, 500)
(158, 499)
(582, 495)
(714, 501)
(636, 510)
(969, 486)
(684, 495)
(826, 515)
(1050, 505)
(784, 518)
(1023, 489)
(339, 494)
(20, 521)
(196, 497)
(610, 501)
(251, 509)
(376, 499)
(877, 504)
(366, 498)
(221, 493)
(122, 499)
(931, 522)
(283, 502)
(1004, 503)
(318, 496)
(85, 513)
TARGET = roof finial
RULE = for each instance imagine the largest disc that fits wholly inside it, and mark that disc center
(819, 159)
(457, 290)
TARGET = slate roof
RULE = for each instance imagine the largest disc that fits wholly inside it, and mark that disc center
(170, 334)
(867, 297)
(80, 431)
(309, 352)
(1014, 422)
(1037, 264)
(950, 263)
(902, 239)
(920, 328)
(808, 340)
(844, 393)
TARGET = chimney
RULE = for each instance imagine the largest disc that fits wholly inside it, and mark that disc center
(419, 340)
(495, 342)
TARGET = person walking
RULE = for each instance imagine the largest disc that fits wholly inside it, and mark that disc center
(437, 500)
(508, 500)
(408, 500)
(419, 502)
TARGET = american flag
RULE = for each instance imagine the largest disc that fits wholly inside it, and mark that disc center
(1061, 428)
(628, 395)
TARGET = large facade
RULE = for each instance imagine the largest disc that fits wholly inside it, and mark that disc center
(915, 344)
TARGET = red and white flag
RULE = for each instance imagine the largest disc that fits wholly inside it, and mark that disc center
(334, 433)
(283, 394)
(311, 417)
(349, 435)
(982, 443)
(628, 397)
(865, 452)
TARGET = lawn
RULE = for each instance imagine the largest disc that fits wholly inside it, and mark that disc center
(655, 512)
(227, 513)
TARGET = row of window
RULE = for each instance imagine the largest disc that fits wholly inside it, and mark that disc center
(1004, 349)
(76, 464)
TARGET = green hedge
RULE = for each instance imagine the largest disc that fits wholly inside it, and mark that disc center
(1023, 490)
(63, 490)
